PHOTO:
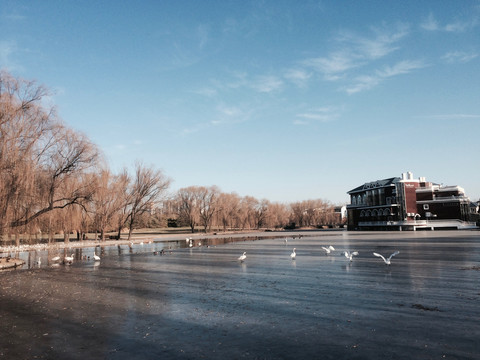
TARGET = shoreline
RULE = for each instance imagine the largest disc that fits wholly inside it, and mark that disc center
(150, 237)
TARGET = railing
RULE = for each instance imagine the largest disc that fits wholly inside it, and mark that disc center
(459, 224)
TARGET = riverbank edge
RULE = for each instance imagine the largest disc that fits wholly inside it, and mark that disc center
(150, 237)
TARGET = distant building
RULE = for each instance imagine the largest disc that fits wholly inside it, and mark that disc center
(340, 213)
(408, 204)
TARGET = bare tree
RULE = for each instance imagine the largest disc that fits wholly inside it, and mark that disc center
(228, 207)
(188, 209)
(207, 203)
(260, 213)
(278, 215)
(146, 191)
(39, 156)
(108, 201)
(125, 198)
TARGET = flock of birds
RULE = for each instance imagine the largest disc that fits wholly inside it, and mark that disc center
(328, 250)
(68, 260)
(349, 255)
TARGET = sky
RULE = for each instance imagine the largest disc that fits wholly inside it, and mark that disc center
(280, 100)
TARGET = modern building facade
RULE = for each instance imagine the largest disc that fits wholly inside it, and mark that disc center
(405, 203)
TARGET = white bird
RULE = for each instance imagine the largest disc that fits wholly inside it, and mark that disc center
(387, 261)
(286, 241)
(187, 240)
(293, 255)
(39, 261)
(56, 258)
(329, 249)
(349, 255)
(243, 257)
(69, 259)
(95, 256)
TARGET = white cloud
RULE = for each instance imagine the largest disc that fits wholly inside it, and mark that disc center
(300, 122)
(323, 114)
(367, 82)
(299, 77)
(430, 23)
(206, 91)
(333, 65)
(381, 44)
(202, 35)
(459, 57)
(460, 26)
(266, 83)
(7, 49)
(362, 83)
(357, 51)
(402, 67)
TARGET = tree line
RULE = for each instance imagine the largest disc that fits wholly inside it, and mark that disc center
(54, 180)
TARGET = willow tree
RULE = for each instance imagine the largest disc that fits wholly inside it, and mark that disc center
(41, 160)
(147, 190)
(188, 207)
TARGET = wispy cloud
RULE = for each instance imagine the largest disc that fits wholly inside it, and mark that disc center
(432, 24)
(461, 26)
(356, 51)
(266, 83)
(382, 43)
(459, 57)
(7, 49)
(334, 65)
(228, 114)
(322, 114)
(202, 35)
(298, 76)
(367, 82)
(206, 91)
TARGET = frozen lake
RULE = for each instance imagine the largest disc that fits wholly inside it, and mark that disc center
(201, 302)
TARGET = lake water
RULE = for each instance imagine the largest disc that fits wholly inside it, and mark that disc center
(201, 302)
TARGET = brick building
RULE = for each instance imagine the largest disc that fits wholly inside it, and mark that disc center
(408, 204)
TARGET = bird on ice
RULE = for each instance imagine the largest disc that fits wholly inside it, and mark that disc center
(96, 257)
(69, 259)
(350, 255)
(387, 260)
(328, 249)
(243, 257)
(293, 255)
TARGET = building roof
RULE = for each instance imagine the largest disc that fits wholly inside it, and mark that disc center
(375, 184)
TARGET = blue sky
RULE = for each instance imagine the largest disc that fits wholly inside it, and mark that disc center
(282, 100)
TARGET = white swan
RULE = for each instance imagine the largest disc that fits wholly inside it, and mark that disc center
(69, 259)
(243, 257)
(388, 260)
(95, 256)
(328, 249)
(349, 255)
(293, 255)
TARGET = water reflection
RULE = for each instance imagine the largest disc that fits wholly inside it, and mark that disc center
(56, 256)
